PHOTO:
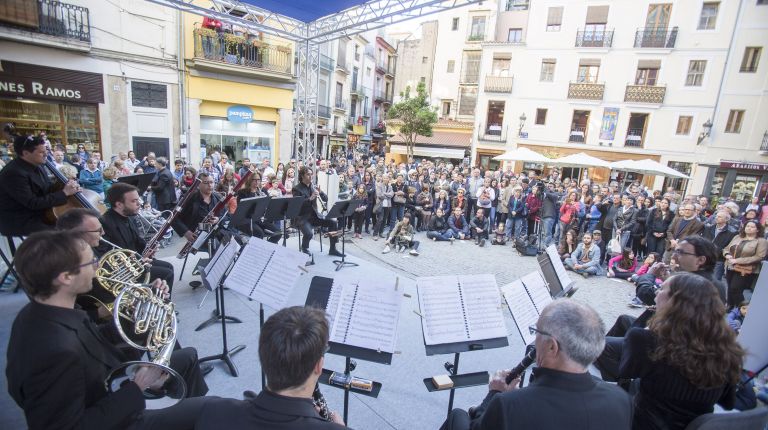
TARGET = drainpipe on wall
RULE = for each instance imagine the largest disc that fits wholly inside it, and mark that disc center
(183, 111)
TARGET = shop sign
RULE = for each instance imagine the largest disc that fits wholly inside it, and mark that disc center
(353, 139)
(19, 80)
(239, 114)
(744, 165)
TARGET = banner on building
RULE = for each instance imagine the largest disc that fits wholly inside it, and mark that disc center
(610, 119)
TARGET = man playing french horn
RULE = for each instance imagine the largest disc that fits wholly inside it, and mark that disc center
(58, 360)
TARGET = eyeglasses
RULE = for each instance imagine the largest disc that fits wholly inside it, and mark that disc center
(533, 330)
(94, 263)
(100, 230)
(681, 252)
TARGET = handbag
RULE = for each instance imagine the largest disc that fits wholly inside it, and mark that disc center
(744, 269)
(614, 246)
(398, 199)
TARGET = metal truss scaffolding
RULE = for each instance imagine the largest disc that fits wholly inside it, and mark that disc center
(307, 36)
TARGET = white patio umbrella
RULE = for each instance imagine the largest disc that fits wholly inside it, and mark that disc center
(522, 154)
(580, 160)
(648, 167)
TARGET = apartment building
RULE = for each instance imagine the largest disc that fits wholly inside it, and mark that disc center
(677, 82)
(415, 58)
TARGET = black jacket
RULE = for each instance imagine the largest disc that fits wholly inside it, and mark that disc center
(121, 231)
(57, 363)
(267, 411)
(557, 400)
(654, 224)
(438, 224)
(194, 211)
(163, 188)
(721, 240)
(625, 220)
(25, 194)
(549, 205)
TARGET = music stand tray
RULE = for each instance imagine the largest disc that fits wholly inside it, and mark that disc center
(140, 181)
(281, 208)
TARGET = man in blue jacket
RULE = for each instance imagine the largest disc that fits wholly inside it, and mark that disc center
(586, 259)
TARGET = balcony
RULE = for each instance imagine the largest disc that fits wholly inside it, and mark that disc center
(634, 138)
(649, 37)
(586, 91)
(340, 104)
(578, 134)
(229, 53)
(341, 66)
(52, 23)
(324, 112)
(645, 94)
(326, 62)
(475, 38)
(498, 84)
(357, 90)
(492, 133)
(382, 96)
(515, 5)
(594, 39)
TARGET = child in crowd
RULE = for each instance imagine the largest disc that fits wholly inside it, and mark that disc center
(622, 266)
(736, 316)
(499, 237)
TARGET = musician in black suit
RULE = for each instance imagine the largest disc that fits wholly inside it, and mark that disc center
(120, 229)
(292, 345)
(26, 193)
(196, 208)
(162, 186)
(58, 360)
(569, 337)
(308, 217)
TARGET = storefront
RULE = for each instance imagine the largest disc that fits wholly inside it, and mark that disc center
(238, 135)
(738, 180)
(62, 103)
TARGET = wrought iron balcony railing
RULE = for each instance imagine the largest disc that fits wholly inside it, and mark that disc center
(53, 18)
(498, 84)
(645, 94)
(326, 62)
(324, 111)
(653, 37)
(251, 52)
(492, 133)
(340, 104)
(578, 134)
(634, 138)
(586, 91)
(594, 39)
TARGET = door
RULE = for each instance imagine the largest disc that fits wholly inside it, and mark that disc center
(656, 24)
(144, 145)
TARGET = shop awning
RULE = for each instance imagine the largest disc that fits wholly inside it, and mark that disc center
(440, 138)
(428, 151)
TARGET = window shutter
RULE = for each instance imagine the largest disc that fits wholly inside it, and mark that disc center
(555, 16)
(597, 14)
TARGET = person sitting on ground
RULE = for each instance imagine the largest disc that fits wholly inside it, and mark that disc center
(438, 229)
(586, 259)
(499, 235)
(458, 224)
(479, 227)
(563, 395)
(622, 266)
(649, 261)
(568, 244)
(676, 384)
(402, 237)
(736, 316)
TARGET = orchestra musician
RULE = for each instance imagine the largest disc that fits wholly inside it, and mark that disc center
(563, 394)
(26, 192)
(257, 228)
(120, 230)
(196, 208)
(308, 217)
(58, 359)
(292, 345)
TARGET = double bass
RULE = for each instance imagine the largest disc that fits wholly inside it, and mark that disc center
(82, 199)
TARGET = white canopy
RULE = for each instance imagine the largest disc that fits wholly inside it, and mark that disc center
(647, 166)
(580, 160)
(522, 154)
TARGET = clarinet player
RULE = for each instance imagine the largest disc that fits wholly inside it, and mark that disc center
(308, 217)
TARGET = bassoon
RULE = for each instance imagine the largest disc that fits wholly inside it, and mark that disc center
(153, 243)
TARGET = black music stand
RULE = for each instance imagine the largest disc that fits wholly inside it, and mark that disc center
(283, 209)
(218, 312)
(319, 291)
(226, 354)
(248, 210)
(139, 180)
(557, 285)
(343, 209)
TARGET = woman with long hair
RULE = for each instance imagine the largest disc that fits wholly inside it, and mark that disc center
(359, 215)
(623, 265)
(742, 260)
(688, 358)
(656, 225)
(568, 244)
(289, 180)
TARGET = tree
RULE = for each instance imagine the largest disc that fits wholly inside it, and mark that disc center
(415, 116)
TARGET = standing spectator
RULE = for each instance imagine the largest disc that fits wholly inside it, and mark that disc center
(100, 164)
(593, 213)
(424, 207)
(398, 200)
(359, 215)
(485, 195)
(549, 213)
(131, 163)
(162, 186)
(178, 171)
(503, 196)
(610, 208)
(625, 220)
(460, 201)
(494, 199)
(743, 258)
(109, 174)
(442, 202)
(121, 169)
(683, 226)
(657, 224)
(517, 212)
(638, 231)
(82, 155)
(533, 208)
(384, 195)
(474, 183)
(208, 169)
(289, 180)
(91, 178)
(569, 212)
(245, 167)
(720, 234)
(480, 226)
(149, 163)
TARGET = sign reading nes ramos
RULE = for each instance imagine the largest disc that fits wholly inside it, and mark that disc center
(43, 89)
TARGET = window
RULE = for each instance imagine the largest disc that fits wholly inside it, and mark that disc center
(455, 24)
(470, 69)
(647, 72)
(684, 125)
(446, 108)
(588, 71)
(451, 66)
(708, 16)
(500, 66)
(515, 35)
(424, 60)
(547, 70)
(595, 24)
(494, 120)
(554, 18)
(695, 73)
(734, 121)
(467, 100)
(541, 116)
(423, 80)
(751, 58)
(516, 5)
(144, 94)
(477, 29)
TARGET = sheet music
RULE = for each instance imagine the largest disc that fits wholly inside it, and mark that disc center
(521, 307)
(537, 290)
(248, 267)
(218, 265)
(333, 301)
(458, 314)
(562, 274)
(367, 316)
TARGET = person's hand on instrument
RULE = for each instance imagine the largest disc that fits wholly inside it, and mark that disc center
(162, 288)
(71, 187)
(149, 377)
(498, 382)
(190, 236)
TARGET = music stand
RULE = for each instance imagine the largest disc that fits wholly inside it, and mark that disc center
(218, 312)
(248, 210)
(283, 209)
(558, 281)
(342, 209)
(140, 180)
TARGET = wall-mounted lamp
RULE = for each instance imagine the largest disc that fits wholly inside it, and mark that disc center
(706, 129)
(522, 124)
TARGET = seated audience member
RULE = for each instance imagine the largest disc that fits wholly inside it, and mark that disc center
(622, 266)
(499, 235)
(292, 345)
(479, 227)
(438, 229)
(458, 224)
(677, 385)
(568, 244)
(563, 395)
(586, 259)
(736, 316)
(649, 261)
(597, 240)
(402, 237)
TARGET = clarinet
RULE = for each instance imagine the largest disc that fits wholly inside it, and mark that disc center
(319, 401)
(518, 370)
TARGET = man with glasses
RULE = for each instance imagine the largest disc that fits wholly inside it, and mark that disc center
(569, 336)
(682, 226)
(292, 346)
(196, 208)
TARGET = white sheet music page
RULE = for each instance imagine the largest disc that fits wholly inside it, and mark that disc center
(562, 274)
(279, 278)
(367, 315)
(482, 301)
(218, 265)
(522, 309)
(249, 267)
(537, 289)
(442, 310)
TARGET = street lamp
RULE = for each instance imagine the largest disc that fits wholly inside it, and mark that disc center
(706, 129)
(522, 124)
